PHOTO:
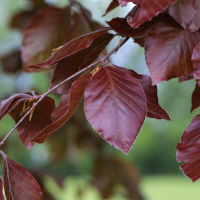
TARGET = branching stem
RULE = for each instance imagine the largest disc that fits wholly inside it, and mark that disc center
(61, 83)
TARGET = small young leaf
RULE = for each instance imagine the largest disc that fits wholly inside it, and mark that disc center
(67, 106)
(183, 11)
(169, 57)
(189, 150)
(18, 183)
(113, 4)
(1, 188)
(195, 98)
(115, 105)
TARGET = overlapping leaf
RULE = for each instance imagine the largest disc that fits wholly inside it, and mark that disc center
(72, 64)
(189, 150)
(18, 183)
(195, 23)
(114, 4)
(1, 188)
(71, 48)
(168, 50)
(154, 109)
(195, 98)
(46, 31)
(196, 63)
(115, 105)
(183, 11)
(14, 106)
(148, 9)
(68, 104)
(121, 26)
(186, 78)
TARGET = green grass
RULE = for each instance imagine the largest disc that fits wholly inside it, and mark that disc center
(170, 188)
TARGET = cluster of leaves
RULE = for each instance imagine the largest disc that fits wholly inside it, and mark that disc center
(117, 100)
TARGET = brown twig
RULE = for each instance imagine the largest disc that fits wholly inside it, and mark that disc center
(61, 83)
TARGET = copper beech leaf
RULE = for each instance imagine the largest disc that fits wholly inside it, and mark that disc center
(115, 105)
(183, 11)
(113, 4)
(195, 98)
(41, 117)
(72, 64)
(186, 78)
(18, 183)
(121, 26)
(148, 9)
(195, 23)
(67, 106)
(153, 107)
(196, 63)
(71, 48)
(1, 188)
(188, 150)
(168, 50)
(45, 31)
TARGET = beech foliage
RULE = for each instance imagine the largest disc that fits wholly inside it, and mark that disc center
(117, 100)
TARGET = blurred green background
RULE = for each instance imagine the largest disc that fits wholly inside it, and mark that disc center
(153, 152)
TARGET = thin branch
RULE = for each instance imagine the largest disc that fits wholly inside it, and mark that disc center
(61, 83)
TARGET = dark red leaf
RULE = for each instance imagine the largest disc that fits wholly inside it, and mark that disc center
(72, 64)
(121, 26)
(114, 4)
(154, 109)
(68, 104)
(189, 150)
(168, 50)
(195, 23)
(148, 9)
(1, 188)
(115, 105)
(18, 183)
(186, 78)
(46, 31)
(183, 11)
(196, 63)
(40, 119)
(71, 48)
(195, 98)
